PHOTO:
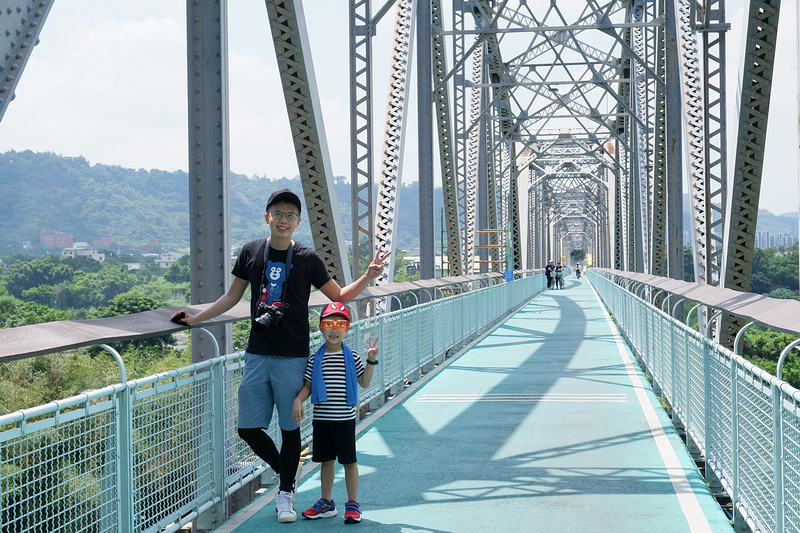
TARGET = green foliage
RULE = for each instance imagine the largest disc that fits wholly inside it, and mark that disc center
(15, 312)
(688, 264)
(774, 269)
(96, 201)
(179, 271)
(763, 347)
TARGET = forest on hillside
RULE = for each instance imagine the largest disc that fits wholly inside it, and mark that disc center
(48, 192)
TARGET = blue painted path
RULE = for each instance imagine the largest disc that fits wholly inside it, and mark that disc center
(545, 424)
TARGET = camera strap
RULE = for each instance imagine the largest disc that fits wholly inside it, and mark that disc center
(265, 281)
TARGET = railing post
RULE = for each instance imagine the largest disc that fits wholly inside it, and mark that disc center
(216, 514)
(777, 447)
(125, 493)
(711, 479)
(738, 519)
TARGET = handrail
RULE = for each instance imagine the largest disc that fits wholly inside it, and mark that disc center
(39, 339)
(777, 314)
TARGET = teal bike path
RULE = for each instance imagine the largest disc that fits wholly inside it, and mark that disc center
(544, 424)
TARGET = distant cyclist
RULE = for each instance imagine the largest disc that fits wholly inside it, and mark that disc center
(578, 270)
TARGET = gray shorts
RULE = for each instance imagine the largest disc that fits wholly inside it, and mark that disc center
(269, 381)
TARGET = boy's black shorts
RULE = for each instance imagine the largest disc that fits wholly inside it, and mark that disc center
(334, 440)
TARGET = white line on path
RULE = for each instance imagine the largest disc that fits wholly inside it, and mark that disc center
(698, 522)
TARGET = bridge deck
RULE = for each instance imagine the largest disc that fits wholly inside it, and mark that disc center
(545, 424)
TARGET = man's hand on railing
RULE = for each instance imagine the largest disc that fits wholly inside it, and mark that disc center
(183, 318)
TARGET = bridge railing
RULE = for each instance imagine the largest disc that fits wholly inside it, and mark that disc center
(744, 421)
(152, 454)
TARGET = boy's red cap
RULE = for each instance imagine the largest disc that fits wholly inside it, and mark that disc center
(335, 308)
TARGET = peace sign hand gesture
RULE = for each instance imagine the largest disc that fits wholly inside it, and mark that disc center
(372, 351)
(376, 267)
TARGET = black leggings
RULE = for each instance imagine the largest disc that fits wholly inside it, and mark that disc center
(285, 462)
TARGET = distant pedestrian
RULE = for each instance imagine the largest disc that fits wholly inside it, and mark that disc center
(330, 379)
(548, 272)
(559, 273)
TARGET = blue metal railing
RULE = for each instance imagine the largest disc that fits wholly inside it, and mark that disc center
(153, 454)
(744, 421)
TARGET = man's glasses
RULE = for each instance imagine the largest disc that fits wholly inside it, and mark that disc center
(341, 325)
(277, 215)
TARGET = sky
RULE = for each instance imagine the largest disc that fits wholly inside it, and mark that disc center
(108, 82)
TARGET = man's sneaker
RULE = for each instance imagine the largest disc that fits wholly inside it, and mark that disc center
(321, 509)
(352, 513)
(283, 506)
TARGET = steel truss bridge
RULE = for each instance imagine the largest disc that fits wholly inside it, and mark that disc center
(559, 126)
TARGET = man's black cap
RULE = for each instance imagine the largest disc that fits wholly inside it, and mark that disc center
(285, 195)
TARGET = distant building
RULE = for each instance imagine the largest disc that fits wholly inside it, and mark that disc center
(166, 260)
(782, 240)
(55, 238)
(762, 239)
(82, 249)
(151, 245)
(765, 239)
(105, 241)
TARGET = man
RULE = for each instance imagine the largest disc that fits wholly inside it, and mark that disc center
(548, 271)
(280, 273)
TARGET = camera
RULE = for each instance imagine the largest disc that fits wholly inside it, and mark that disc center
(268, 315)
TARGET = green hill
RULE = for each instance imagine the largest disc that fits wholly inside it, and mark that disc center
(48, 192)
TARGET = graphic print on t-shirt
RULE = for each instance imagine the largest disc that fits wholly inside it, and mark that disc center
(276, 275)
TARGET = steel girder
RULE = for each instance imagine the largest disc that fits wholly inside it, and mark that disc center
(558, 86)
(290, 39)
(361, 184)
(742, 214)
(711, 23)
(21, 22)
(391, 162)
(209, 164)
(441, 101)
(658, 263)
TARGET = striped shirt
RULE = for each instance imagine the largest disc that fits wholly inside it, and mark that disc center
(335, 408)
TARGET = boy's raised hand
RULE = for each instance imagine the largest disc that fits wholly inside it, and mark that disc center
(372, 351)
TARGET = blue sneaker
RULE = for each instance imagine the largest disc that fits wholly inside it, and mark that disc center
(321, 509)
(352, 513)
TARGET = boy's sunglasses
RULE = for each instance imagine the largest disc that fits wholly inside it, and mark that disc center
(341, 325)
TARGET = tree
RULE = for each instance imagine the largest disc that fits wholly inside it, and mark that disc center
(15, 312)
(179, 271)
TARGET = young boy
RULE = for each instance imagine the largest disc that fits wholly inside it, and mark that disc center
(330, 379)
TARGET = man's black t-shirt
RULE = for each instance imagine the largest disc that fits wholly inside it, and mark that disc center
(291, 336)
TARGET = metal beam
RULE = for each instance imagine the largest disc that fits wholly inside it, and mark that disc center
(745, 190)
(21, 22)
(209, 164)
(393, 138)
(361, 181)
(290, 38)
